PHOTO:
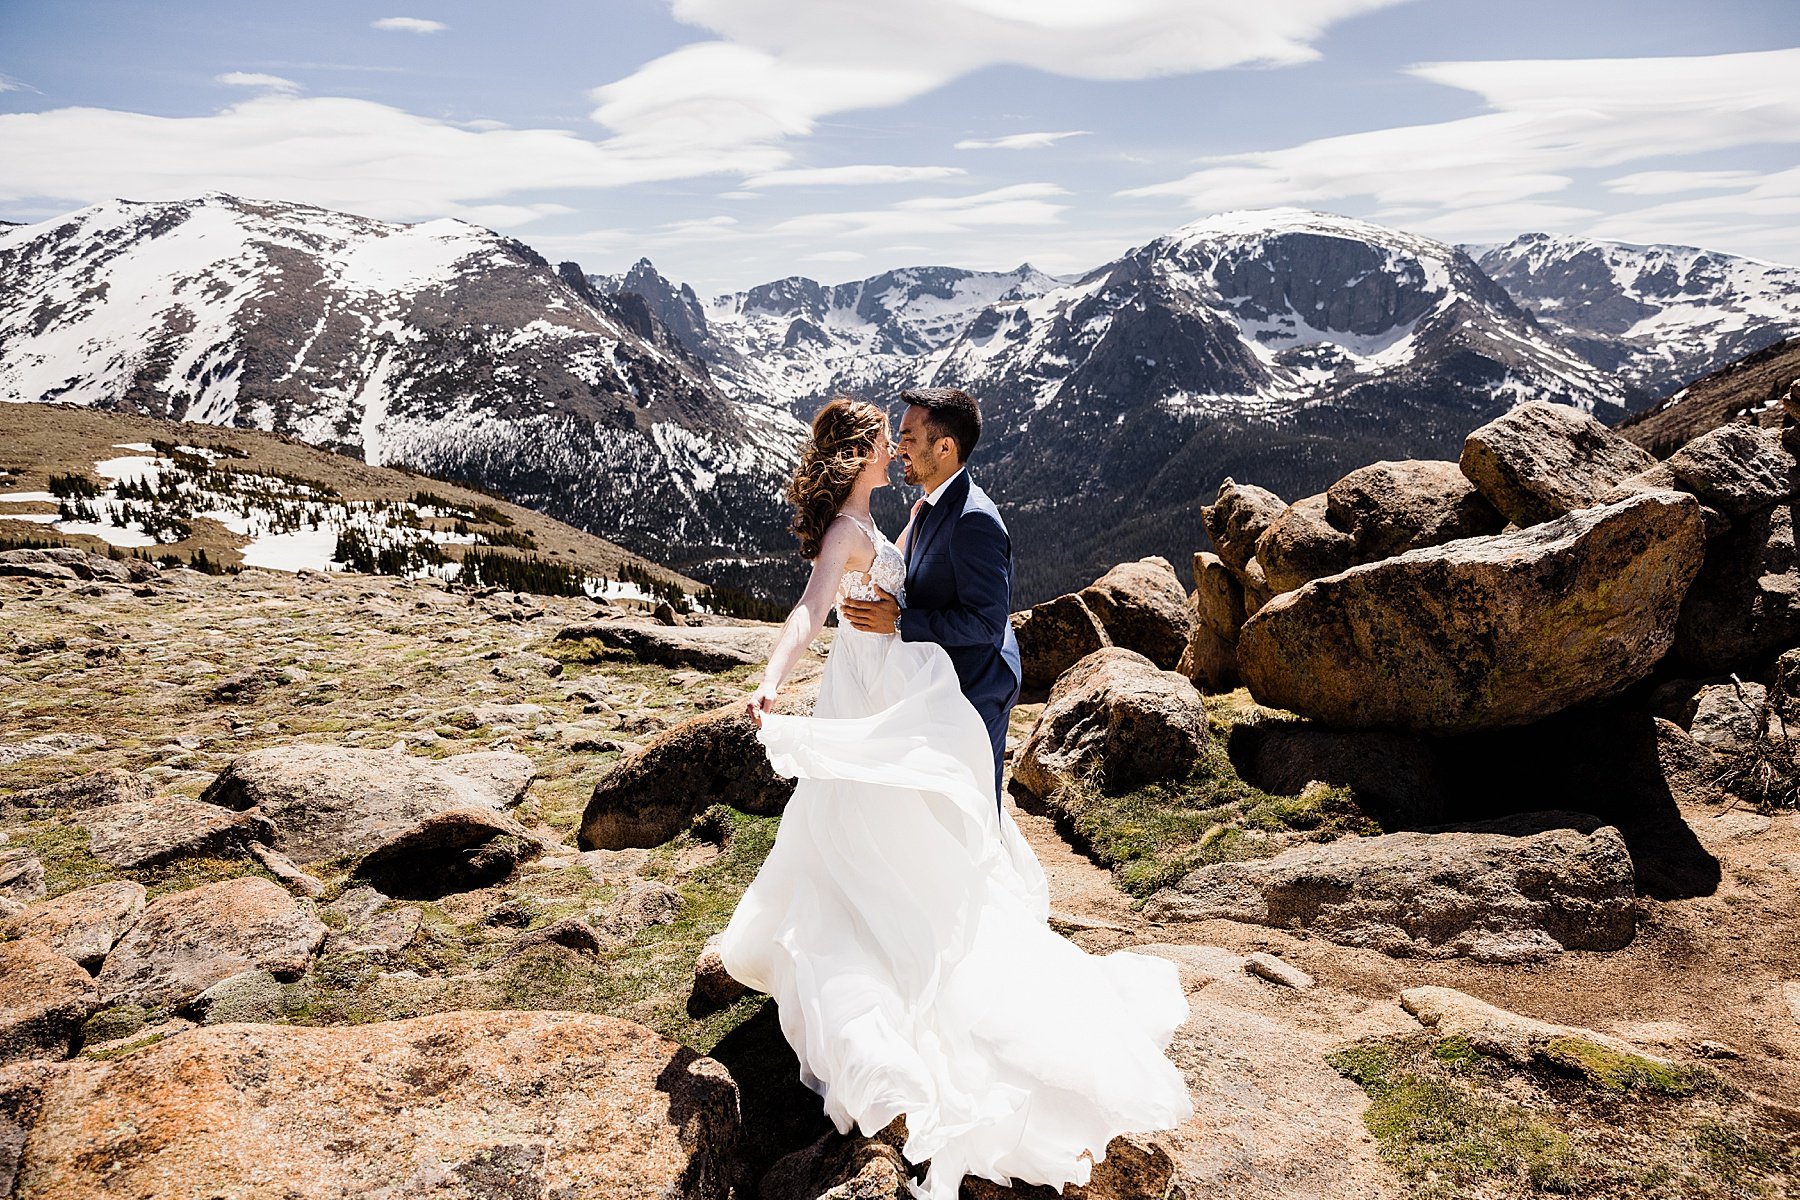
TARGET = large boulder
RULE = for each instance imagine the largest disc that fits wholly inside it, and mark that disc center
(1217, 608)
(467, 1104)
(187, 941)
(143, 833)
(1237, 518)
(1744, 604)
(714, 758)
(1114, 720)
(703, 648)
(1393, 776)
(1483, 632)
(1054, 636)
(86, 924)
(327, 800)
(455, 851)
(44, 998)
(1143, 607)
(1514, 889)
(1737, 469)
(1388, 508)
(1301, 544)
(1542, 460)
(66, 562)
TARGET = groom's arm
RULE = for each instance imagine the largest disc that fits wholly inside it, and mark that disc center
(981, 560)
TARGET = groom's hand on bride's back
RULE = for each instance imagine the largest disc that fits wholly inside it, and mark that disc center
(872, 616)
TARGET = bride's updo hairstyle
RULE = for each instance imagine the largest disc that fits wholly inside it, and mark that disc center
(842, 442)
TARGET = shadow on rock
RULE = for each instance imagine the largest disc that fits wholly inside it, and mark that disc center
(779, 1113)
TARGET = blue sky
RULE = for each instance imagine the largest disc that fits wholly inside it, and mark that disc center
(736, 141)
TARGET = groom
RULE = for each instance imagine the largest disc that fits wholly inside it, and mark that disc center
(958, 562)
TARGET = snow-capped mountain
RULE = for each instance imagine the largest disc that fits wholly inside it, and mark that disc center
(440, 346)
(797, 341)
(1659, 316)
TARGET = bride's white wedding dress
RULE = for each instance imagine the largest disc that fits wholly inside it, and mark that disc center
(900, 924)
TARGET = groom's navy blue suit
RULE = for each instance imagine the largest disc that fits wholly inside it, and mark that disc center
(959, 595)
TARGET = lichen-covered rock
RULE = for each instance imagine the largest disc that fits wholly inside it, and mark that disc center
(143, 833)
(328, 800)
(1388, 508)
(704, 648)
(1542, 460)
(21, 874)
(93, 790)
(1218, 597)
(85, 924)
(1301, 544)
(1483, 632)
(1143, 607)
(1237, 518)
(1514, 889)
(187, 941)
(44, 998)
(455, 851)
(714, 758)
(1116, 720)
(1054, 636)
(1737, 469)
(492, 1104)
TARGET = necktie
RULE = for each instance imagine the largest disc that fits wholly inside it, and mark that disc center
(914, 524)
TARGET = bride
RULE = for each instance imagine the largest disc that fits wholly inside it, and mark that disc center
(900, 921)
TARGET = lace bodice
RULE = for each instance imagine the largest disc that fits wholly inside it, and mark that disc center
(887, 572)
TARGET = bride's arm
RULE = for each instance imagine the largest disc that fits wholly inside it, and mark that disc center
(808, 617)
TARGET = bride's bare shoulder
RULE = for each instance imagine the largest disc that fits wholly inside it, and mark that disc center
(846, 535)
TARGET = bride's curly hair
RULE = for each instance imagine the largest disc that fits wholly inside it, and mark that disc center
(843, 439)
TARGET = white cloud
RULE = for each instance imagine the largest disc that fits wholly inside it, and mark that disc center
(252, 79)
(1026, 204)
(1661, 183)
(1489, 175)
(849, 176)
(1019, 141)
(831, 256)
(782, 65)
(409, 25)
(353, 155)
(9, 84)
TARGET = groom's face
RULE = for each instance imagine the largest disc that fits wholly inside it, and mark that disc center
(923, 460)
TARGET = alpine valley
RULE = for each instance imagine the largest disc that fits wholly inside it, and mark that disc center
(1280, 346)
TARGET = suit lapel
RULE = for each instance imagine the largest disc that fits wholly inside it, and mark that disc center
(953, 499)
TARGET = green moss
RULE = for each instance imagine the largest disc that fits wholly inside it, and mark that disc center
(1154, 835)
(1615, 1071)
(1740, 1158)
(1365, 1064)
(110, 1052)
(63, 850)
(109, 1024)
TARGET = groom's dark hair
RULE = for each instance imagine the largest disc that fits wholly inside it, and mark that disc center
(954, 414)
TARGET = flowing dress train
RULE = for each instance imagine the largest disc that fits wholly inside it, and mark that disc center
(900, 924)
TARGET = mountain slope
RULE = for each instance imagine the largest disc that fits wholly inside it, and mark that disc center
(439, 345)
(1657, 315)
(1749, 389)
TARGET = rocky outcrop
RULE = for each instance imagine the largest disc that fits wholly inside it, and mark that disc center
(44, 998)
(1737, 469)
(714, 758)
(84, 925)
(1509, 890)
(1054, 636)
(1388, 508)
(1143, 607)
(1116, 721)
(493, 1104)
(187, 941)
(1217, 609)
(96, 789)
(1301, 544)
(1494, 1030)
(455, 851)
(142, 833)
(1393, 776)
(703, 648)
(21, 874)
(1237, 518)
(1542, 460)
(63, 562)
(1745, 602)
(326, 800)
(837, 1167)
(1483, 632)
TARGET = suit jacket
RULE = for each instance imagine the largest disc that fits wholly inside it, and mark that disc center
(959, 592)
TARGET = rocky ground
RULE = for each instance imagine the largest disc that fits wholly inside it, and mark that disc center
(241, 809)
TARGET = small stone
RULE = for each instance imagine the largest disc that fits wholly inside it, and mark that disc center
(21, 874)
(714, 986)
(1268, 967)
(1790, 994)
(571, 933)
(248, 996)
(282, 868)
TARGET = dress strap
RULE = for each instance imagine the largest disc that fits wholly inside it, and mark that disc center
(868, 531)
